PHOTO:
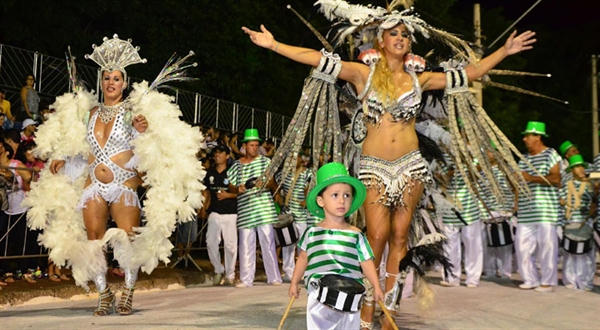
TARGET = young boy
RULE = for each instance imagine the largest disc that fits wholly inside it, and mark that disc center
(333, 247)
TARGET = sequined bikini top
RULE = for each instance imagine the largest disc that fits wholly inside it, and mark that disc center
(403, 109)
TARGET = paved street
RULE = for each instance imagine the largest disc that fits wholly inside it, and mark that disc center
(494, 305)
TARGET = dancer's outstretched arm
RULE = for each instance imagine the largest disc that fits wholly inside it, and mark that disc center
(514, 44)
(353, 72)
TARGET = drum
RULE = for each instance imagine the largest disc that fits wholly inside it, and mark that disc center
(577, 238)
(499, 232)
(285, 232)
(341, 293)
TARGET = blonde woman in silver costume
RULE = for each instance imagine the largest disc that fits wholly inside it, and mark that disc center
(391, 144)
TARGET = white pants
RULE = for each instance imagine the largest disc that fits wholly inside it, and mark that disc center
(537, 242)
(321, 317)
(496, 260)
(579, 269)
(471, 239)
(224, 224)
(247, 251)
(288, 252)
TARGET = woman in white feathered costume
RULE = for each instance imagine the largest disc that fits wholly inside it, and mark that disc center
(97, 153)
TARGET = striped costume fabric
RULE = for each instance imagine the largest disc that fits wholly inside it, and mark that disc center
(544, 204)
(509, 196)
(464, 202)
(334, 251)
(255, 207)
(301, 213)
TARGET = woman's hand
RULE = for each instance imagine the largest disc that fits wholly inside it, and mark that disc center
(56, 165)
(140, 123)
(263, 39)
(520, 43)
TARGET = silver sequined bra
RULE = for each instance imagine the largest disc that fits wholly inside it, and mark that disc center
(404, 108)
(117, 142)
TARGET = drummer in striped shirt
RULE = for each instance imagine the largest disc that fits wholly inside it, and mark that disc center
(333, 246)
(538, 216)
(462, 225)
(256, 213)
(576, 193)
(292, 196)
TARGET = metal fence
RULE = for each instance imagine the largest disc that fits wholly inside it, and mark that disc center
(52, 79)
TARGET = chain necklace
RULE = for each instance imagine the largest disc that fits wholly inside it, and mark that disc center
(108, 112)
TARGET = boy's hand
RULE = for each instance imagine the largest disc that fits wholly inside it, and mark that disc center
(294, 291)
(378, 294)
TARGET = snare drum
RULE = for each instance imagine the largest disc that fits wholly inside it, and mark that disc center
(286, 233)
(341, 293)
(499, 232)
(577, 238)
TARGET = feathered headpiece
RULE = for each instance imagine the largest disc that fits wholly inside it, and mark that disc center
(115, 54)
(367, 23)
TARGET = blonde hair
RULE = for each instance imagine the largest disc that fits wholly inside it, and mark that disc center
(382, 79)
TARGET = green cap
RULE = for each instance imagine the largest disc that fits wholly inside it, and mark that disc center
(535, 127)
(251, 134)
(566, 146)
(329, 174)
(576, 160)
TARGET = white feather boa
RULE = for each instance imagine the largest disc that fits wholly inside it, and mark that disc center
(166, 153)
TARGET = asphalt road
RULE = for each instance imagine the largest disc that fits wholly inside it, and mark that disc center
(497, 304)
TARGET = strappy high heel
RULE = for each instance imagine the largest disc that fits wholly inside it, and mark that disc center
(106, 299)
(126, 302)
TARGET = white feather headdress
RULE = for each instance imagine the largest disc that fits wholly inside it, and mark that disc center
(367, 23)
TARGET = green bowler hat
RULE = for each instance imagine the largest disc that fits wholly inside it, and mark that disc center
(327, 175)
(535, 127)
(251, 134)
(565, 146)
(576, 160)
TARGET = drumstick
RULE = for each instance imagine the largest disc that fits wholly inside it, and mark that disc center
(287, 310)
(387, 314)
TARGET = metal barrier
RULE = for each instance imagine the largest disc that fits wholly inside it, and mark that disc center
(52, 79)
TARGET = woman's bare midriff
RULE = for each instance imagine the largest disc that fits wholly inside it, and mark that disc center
(390, 140)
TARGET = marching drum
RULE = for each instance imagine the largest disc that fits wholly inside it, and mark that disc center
(499, 231)
(340, 293)
(577, 238)
(285, 232)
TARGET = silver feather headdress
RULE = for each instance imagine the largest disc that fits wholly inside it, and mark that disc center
(115, 54)
(367, 24)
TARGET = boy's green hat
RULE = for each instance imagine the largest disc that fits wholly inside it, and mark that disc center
(327, 175)
(576, 160)
(251, 134)
(535, 127)
(566, 146)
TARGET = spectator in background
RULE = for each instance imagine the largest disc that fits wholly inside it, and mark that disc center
(14, 172)
(268, 147)
(233, 145)
(30, 98)
(9, 119)
(28, 130)
(221, 206)
(13, 138)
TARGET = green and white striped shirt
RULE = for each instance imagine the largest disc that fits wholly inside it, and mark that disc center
(508, 195)
(543, 206)
(334, 251)
(301, 213)
(464, 202)
(255, 207)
